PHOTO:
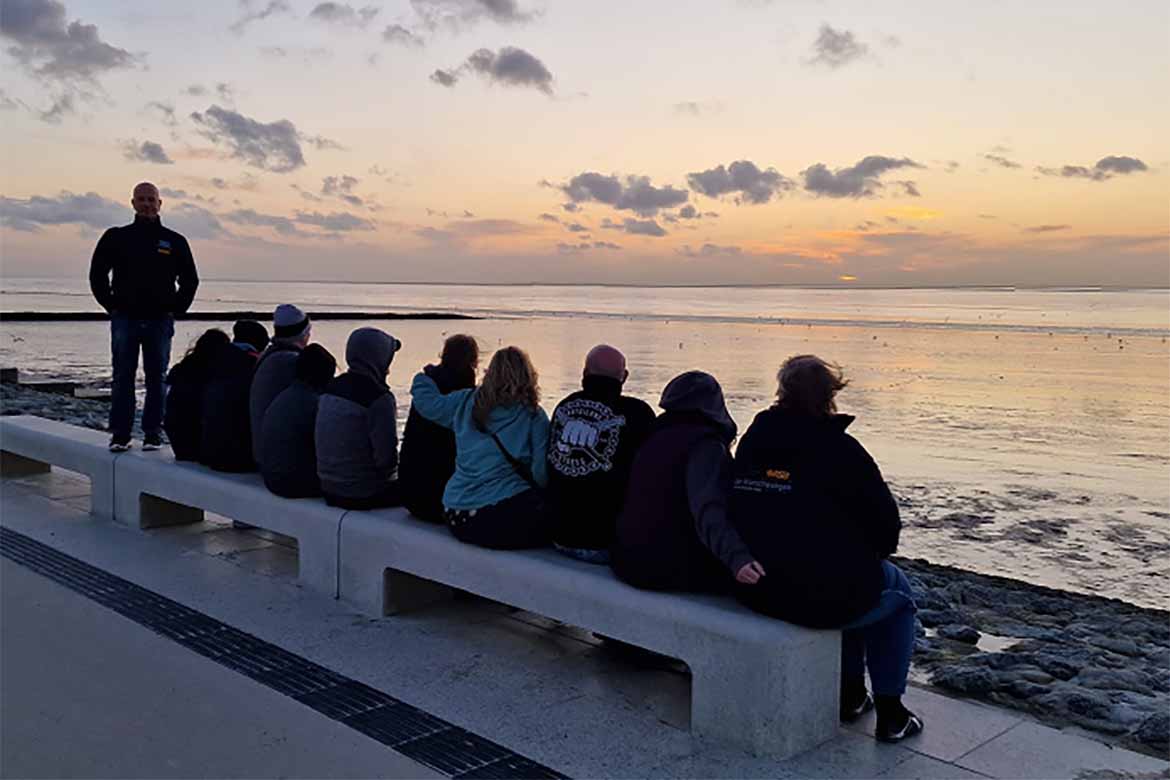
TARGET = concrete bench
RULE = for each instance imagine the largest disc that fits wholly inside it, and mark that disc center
(757, 683)
(153, 489)
(31, 445)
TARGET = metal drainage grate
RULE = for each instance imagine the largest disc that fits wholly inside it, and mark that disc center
(426, 739)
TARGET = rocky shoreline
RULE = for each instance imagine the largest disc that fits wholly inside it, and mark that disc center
(1066, 658)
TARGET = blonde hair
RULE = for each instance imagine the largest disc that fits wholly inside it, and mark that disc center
(809, 385)
(510, 379)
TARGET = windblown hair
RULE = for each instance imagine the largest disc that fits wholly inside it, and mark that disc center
(809, 385)
(201, 353)
(460, 356)
(510, 379)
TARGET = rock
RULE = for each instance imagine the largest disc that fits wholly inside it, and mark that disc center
(977, 682)
(1070, 700)
(1057, 667)
(919, 629)
(923, 646)
(938, 617)
(1022, 689)
(959, 633)
(1113, 644)
(1155, 732)
(1035, 676)
(1116, 680)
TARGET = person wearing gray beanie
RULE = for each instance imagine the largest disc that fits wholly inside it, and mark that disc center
(277, 367)
(356, 432)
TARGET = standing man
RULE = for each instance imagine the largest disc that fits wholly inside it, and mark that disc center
(153, 279)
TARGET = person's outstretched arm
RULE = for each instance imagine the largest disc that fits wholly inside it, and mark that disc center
(708, 487)
(433, 405)
(99, 271)
(188, 278)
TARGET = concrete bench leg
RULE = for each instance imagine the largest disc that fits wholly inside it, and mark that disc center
(155, 512)
(768, 701)
(13, 465)
(402, 592)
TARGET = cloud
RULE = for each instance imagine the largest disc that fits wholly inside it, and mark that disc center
(147, 151)
(166, 112)
(1104, 169)
(836, 48)
(909, 189)
(272, 146)
(49, 48)
(343, 14)
(254, 13)
(688, 212)
(510, 67)
(576, 227)
(321, 143)
(635, 193)
(1047, 228)
(857, 181)
(640, 227)
(1001, 161)
(10, 104)
(698, 108)
(570, 207)
(546, 217)
(572, 249)
(397, 35)
(341, 187)
(307, 55)
(195, 222)
(710, 250)
(62, 106)
(743, 177)
(195, 90)
(458, 14)
(606, 245)
(282, 225)
(66, 208)
(339, 221)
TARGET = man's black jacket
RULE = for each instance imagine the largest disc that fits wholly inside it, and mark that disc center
(152, 267)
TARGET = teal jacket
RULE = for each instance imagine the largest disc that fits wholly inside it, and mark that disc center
(483, 475)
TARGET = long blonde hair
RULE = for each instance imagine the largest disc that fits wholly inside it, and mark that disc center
(510, 379)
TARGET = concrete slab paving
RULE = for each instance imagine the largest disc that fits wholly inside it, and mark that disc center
(89, 693)
(920, 767)
(1032, 750)
(544, 690)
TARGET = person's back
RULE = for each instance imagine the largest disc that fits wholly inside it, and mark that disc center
(186, 382)
(277, 367)
(594, 435)
(672, 532)
(427, 457)
(226, 439)
(288, 459)
(356, 428)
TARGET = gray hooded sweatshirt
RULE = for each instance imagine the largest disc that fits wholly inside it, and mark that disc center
(356, 433)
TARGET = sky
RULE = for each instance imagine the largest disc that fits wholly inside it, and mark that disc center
(549, 141)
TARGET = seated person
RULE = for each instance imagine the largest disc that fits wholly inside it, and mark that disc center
(288, 459)
(277, 367)
(356, 431)
(673, 532)
(501, 435)
(594, 435)
(427, 458)
(225, 443)
(183, 416)
(813, 508)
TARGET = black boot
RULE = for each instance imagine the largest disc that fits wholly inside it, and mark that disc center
(894, 722)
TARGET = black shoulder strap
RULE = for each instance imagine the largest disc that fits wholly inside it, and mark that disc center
(520, 467)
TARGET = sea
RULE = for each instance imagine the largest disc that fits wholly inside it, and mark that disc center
(1026, 433)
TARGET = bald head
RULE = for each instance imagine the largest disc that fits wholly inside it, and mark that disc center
(604, 360)
(146, 200)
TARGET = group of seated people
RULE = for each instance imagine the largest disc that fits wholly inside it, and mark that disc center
(798, 523)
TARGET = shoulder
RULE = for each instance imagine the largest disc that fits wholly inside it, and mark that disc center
(173, 235)
(631, 405)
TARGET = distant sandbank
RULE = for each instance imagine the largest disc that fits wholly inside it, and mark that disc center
(227, 316)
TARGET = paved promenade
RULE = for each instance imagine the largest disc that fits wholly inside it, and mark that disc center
(86, 692)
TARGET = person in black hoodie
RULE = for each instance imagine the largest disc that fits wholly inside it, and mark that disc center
(427, 457)
(592, 440)
(288, 453)
(673, 532)
(226, 441)
(183, 420)
(813, 508)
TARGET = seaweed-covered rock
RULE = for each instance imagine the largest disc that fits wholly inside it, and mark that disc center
(959, 633)
(975, 682)
(1154, 732)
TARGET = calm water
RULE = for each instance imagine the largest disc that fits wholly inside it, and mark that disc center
(1026, 433)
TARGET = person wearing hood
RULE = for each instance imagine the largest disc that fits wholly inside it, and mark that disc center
(356, 430)
(501, 437)
(673, 532)
(183, 417)
(813, 508)
(595, 433)
(277, 367)
(427, 459)
(225, 442)
(287, 445)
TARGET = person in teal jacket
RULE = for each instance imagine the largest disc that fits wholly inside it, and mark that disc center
(494, 499)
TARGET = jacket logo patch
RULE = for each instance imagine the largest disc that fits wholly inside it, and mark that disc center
(780, 474)
(585, 436)
(164, 247)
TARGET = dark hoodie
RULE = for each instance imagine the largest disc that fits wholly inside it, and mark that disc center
(593, 437)
(226, 440)
(814, 510)
(673, 532)
(427, 459)
(356, 430)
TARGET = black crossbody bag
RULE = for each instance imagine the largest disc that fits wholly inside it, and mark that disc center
(519, 466)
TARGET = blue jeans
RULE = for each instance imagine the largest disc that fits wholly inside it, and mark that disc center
(127, 336)
(881, 639)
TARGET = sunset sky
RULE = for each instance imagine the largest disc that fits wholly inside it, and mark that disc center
(656, 141)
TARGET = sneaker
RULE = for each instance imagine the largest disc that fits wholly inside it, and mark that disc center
(855, 707)
(119, 445)
(152, 443)
(911, 725)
